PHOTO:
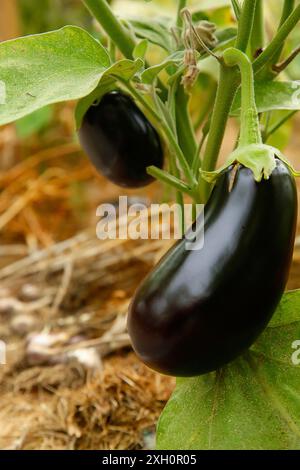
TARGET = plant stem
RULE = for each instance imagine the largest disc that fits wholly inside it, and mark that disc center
(179, 194)
(276, 43)
(197, 160)
(111, 25)
(258, 30)
(180, 156)
(236, 8)
(228, 84)
(171, 180)
(185, 131)
(280, 123)
(168, 133)
(250, 129)
(229, 81)
(141, 99)
(267, 119)
(112, 50)
(207, 107)
(285, 63)
(116, 32)
(181, 6)
(245, 25)
(288, 7)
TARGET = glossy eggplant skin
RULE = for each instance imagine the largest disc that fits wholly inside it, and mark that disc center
(199, 310)
(120, 141)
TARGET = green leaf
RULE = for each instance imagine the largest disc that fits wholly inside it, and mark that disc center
(155, 31)
(150, 74)
(124, 69)
(48, 68)
(224, 35)
(140, 49)
(236, 8)
(253, 403)
(272, 96)
(288, 309)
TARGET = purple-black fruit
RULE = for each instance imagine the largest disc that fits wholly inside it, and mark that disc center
(120, 140)
(199, 310)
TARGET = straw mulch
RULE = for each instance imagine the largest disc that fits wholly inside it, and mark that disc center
(71, 380)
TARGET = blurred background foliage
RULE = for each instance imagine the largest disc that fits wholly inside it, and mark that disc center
(36, 16)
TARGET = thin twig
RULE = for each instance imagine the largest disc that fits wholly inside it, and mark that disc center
(285, 63)
(279, 124)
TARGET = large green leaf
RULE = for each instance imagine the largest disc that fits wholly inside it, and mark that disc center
(272, 96)
(253, 403)
(49, 68)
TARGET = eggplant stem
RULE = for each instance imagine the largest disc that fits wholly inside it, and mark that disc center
(250, 127)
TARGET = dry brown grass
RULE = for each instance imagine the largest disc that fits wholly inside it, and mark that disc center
(70, 379)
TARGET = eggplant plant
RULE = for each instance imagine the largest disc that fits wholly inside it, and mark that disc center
(218, 318)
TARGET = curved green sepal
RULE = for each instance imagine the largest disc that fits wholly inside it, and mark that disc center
(259, 158)
(288, 164)
(212, 176)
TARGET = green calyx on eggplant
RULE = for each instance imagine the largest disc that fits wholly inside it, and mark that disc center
(199, 310)
(120, 140)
